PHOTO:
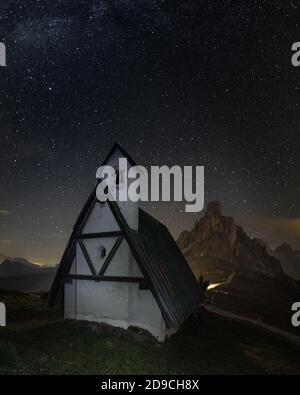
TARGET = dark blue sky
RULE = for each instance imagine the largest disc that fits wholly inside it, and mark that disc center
(176, 82)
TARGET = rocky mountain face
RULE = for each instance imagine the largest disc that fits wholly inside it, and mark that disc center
(218, 237)
(290, 260)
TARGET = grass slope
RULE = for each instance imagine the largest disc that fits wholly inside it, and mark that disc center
(250, 293)
(204, 345)
(255, 297)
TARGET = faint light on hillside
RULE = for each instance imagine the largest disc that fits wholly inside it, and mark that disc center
(212, 286)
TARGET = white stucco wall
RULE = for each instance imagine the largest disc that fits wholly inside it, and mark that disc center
(100, 219)
(117, 304)
(123, 263)
(70, 300)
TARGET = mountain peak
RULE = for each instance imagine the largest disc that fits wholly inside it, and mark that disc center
(218, 237)
(214, 208)
(284, 249)
(212, 222)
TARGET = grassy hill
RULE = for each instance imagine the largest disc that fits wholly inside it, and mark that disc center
(249, 293)
(256, 296)
(38, 341)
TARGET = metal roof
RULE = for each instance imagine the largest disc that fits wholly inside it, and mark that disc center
(174, 285)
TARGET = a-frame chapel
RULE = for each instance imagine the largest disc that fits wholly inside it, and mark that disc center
(122, 267)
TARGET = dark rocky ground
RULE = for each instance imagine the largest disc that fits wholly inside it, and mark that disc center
(38, 341)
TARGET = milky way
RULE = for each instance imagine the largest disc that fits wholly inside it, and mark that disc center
(175, 82)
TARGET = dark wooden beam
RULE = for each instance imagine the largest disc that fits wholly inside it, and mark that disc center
(110, 256)
(119, 279)
(90, 208)
(87, 257)
(116, 233)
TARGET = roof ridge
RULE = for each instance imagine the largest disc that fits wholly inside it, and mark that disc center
(117, 145)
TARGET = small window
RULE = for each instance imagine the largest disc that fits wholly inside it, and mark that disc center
(100, 253)
(103, 252)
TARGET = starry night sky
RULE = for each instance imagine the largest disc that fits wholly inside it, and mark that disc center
(175, 82)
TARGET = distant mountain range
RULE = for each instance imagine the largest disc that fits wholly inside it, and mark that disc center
(2, 258)
(19, 274)
(248, 277)
(290, 260)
